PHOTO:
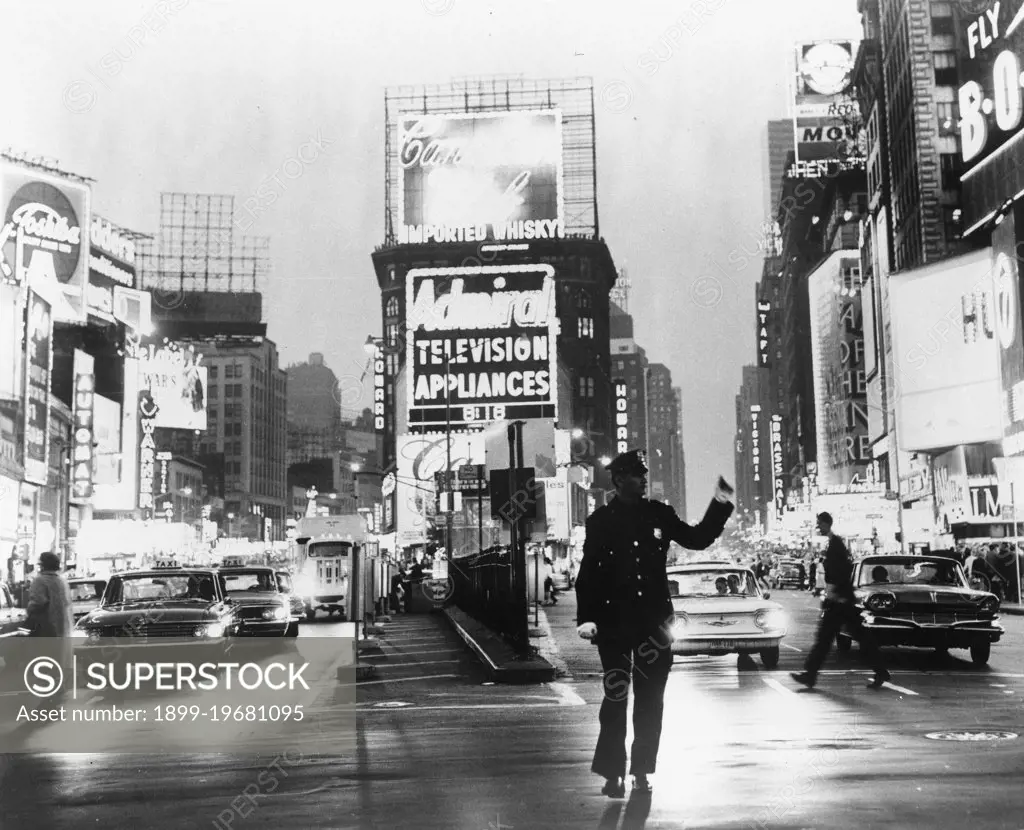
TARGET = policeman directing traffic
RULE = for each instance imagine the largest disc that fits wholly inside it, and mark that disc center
(625, 608)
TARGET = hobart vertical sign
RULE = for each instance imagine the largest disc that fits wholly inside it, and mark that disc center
(621, 416)
(378, 388)
(481, 345)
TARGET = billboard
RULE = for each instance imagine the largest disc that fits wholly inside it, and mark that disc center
(990, 96)
(1008, 328)
(177, 383)
(471, 176)
(82, 453)
(837, 354)
(946, 354)
(43, 221)
(824, 70)
(107, 438)
(111, 264)
(38, 365)
(480, 345)
(418, 458)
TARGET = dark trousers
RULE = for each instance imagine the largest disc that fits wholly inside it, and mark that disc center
(835, 615)
(646, 660)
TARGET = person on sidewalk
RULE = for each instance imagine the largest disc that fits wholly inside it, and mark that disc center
(625, 608)
(839, 610)
(49, 613)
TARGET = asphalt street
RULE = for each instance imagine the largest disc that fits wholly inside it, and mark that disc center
(435, 746)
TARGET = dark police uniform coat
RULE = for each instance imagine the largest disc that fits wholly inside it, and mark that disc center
(622, 585)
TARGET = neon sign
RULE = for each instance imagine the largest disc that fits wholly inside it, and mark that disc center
(621, 416)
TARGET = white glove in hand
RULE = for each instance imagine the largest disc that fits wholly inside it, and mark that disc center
(723, 491)
(587, 631)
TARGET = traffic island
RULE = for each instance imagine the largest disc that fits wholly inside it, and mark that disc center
(499, 659)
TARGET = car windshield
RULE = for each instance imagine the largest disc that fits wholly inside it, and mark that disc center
(156, 588)
(251, 581)
(712, 583)
(911, 572)
(86, 591)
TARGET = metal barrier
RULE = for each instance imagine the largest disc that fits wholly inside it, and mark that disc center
(484, 588)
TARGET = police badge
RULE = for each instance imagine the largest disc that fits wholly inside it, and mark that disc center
(657, 533)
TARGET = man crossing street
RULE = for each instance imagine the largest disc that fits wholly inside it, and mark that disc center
(625, 608)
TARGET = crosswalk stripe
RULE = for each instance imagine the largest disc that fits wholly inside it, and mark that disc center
(900, 689)
(772, 683)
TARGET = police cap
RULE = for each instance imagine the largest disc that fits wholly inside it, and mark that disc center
(633, 462)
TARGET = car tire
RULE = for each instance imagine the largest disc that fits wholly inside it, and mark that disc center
(980, 653)
(844, 643)
(310, 614)
(770, 657)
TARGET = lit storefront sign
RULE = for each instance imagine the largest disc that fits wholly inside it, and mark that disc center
(38, 366)
(780, 491)
(481, 344)
(621, 416)
(755, 442)
(82, 457)
(41, 237)
(466, 177)
(148, 411)
(763, 345)
(378, 388)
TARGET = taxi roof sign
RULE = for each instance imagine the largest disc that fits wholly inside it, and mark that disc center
(163, 564)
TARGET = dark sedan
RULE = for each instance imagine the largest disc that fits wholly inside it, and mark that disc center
(262, 608)
(163, 604)
(924, 601)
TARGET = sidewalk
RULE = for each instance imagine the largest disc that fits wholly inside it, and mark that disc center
(572, 656)
(498, 657)
(1012, 609)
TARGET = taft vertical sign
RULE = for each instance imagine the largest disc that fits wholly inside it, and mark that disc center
(481, 345)
(82, 454)
(38, 365)
(764, 354)
(621, 416)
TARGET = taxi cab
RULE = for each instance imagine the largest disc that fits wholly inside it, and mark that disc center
(86, 593)
(261, 607)
(164, 603)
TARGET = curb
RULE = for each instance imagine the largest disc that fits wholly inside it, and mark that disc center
(1012, 610)
(539, 672)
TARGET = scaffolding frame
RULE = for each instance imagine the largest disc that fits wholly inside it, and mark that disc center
(197, 248)
(497, 93)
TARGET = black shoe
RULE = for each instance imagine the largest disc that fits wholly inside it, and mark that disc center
(881, 677)
(804, 678)
(614, 788)
(641, 784)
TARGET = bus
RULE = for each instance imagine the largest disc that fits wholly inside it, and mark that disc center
(325, 547)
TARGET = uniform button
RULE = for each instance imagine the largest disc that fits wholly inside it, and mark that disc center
(638, 576)
(639, 593)
(636, 544)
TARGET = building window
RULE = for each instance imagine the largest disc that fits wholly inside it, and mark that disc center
(391, 310)
(951, 224)
(212, 392)
(945, 68)
(947, 118)
(213, 372)
(583, 300)
(229, 371)
(586, 387)
(585, 327)
(391, 334)
(951, 168)
(238, 390)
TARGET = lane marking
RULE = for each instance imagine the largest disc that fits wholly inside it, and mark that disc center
(469, 706)
(900, 689)
(566, 694)
(791, 648)
(400, 679)
(772, 683)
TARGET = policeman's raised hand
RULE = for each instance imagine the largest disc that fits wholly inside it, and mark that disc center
(723, 490)
(587, 631)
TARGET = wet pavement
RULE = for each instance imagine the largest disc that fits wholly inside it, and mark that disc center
(437, 748)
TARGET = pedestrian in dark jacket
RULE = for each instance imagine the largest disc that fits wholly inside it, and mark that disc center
(625, 608)
(839, 610)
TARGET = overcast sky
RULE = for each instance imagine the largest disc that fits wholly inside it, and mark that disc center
(215, 96)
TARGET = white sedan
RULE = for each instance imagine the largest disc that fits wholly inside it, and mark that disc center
(720, 609)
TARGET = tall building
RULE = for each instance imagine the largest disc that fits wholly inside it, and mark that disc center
(753, 451)
(631, 370)
(313, 399)
(680, 484)
(665, 459)
(778, 146)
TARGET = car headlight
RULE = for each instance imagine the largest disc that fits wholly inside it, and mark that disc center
(770, 618)
(881, 602)
(275, 614)
(212, 630)
(989, 605)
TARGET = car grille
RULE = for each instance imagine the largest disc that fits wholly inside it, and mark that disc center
(937, 617)
(254, 612)
(145, 632)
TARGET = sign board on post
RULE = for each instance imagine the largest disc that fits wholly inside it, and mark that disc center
(82, 455)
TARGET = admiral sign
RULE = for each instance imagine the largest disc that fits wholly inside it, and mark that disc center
(467, 177)
(481, 344)
(41, 240)
(621, 416)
